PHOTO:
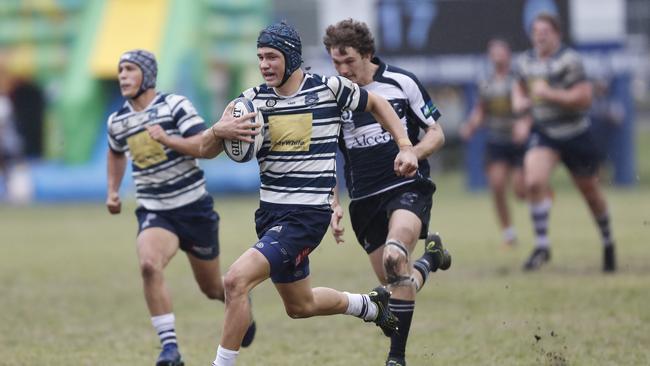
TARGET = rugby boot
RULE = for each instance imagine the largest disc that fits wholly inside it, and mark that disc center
(393, 361)
(169, 356)
(250, 335)
(537, 258)
(385, 318)
(252, 328)
(609, 258)
(433, 246)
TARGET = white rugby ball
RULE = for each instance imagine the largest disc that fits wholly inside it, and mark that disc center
(241, 151)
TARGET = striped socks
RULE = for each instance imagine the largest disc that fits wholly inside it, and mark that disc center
(360, 306)
(539, 212)
(403, 310)
(605, 231)
(164, 325)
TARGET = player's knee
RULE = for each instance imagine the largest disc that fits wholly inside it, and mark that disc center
(212, 292)
(297, 311)
(150, 268)
(395, 251)
(520, 192)
(499, 188)
(395, 261)
(535, 187)
(234, 285)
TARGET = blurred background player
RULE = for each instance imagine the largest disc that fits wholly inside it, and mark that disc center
(11, 144)
(504, 152)
(302, 118)
(388, 212)
(161, 134)
(553, 89)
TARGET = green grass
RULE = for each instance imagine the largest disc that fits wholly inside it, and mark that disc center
(71, 292)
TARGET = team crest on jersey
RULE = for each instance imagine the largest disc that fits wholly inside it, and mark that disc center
(271, 103)
(346, 116)
(152, 114)
(311, 98)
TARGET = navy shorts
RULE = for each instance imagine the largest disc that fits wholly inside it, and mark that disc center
(196, 225)
(370, 216)
(511, 154)
(286, 237)
(579, 154)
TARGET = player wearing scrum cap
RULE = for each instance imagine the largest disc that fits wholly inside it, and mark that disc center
(302, 121)
(160, 133)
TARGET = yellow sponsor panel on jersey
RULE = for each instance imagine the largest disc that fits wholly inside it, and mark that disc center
(145, 151)
(500, 106)
(290, 132)
(531, 85)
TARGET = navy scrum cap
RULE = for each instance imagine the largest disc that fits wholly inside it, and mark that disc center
(146, 61)
(284, 38)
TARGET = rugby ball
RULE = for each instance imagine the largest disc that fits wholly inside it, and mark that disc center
(241, 151)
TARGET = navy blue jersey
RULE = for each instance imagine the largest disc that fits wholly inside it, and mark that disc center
(369, 150)
(164, 179)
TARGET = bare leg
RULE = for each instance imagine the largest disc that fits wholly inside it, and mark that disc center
(249, 270)
(208, 276)
(498, 173)
(404, 227)
(156, 247)
(301, 301)
(590, 189)
(593, 194)
(539, 163)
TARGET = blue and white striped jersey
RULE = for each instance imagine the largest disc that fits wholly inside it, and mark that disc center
(298, 158)
(495, 94)
(562, 70)
(164, 179)
(369, 150)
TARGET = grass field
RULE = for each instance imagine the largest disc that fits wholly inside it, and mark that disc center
(70, 292)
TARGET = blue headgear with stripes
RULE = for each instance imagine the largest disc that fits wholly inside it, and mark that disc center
(146, 61)
(284, 38)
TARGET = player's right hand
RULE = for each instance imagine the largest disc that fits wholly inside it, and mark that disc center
(113, 203)
(335, 224)
(231, 128)
(406, 162)
(521, 130)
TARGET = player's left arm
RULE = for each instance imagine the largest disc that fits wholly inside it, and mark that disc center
(426, 115)
(337, 215)
(188, 122)
(577, 96)
(406, 162)
(432, 141)
(185, 145)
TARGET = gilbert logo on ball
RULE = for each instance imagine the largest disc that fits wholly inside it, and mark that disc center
(241, 151)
